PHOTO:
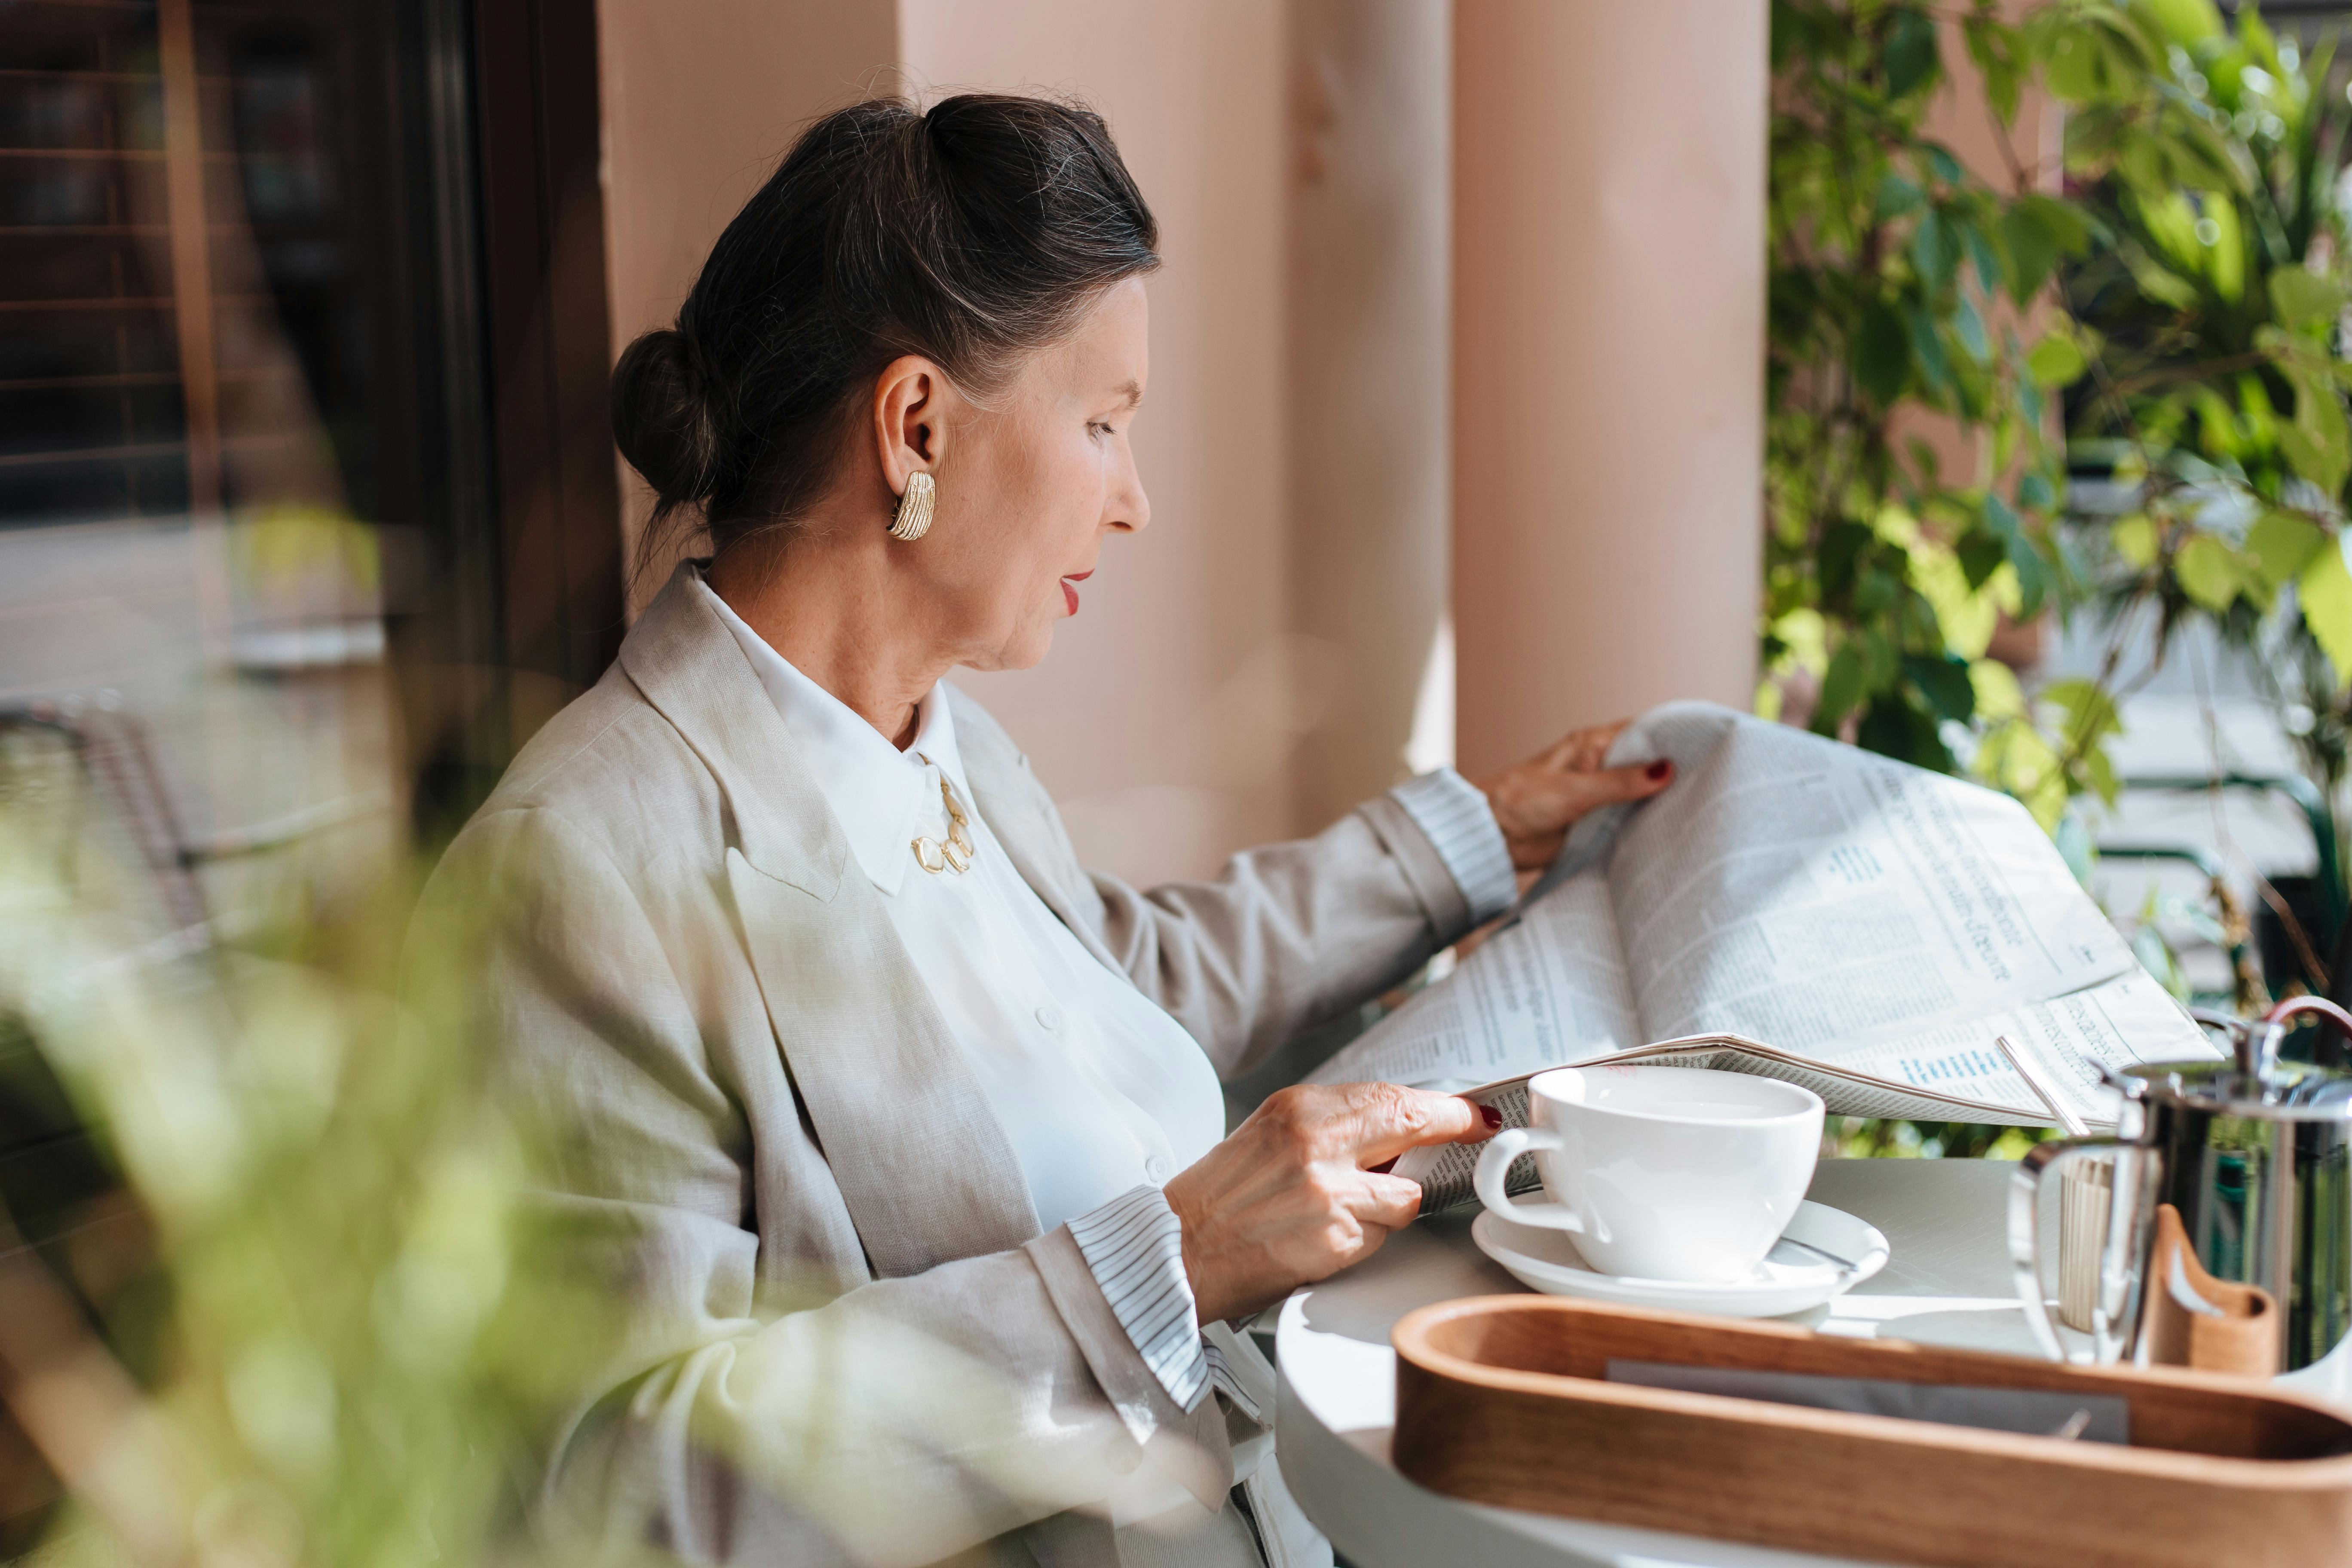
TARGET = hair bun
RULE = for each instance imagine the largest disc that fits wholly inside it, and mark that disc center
(662, 415)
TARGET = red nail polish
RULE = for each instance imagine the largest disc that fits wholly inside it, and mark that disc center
(1383, 1168)
(1663, 768)
(1493, 1118)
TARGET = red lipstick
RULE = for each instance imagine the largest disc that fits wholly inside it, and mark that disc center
(1069, 594)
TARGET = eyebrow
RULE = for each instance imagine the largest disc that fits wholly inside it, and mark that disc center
(1132, 395)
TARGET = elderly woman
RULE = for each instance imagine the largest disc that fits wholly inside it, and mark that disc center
(890, 1135)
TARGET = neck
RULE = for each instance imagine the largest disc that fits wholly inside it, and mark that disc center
(827, 601)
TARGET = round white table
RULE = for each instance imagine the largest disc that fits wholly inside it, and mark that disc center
(1948, 1283)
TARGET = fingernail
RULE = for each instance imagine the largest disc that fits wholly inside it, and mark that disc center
(1492, 1117)
(1660, 771)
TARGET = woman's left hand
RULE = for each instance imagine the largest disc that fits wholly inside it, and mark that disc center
(1537, 802)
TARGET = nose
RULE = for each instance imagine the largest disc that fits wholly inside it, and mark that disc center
(1126, 509)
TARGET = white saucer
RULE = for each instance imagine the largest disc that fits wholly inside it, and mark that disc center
(1790, 1280)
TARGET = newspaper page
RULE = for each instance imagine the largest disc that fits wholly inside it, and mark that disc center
(1835, 905)
(1804, 893)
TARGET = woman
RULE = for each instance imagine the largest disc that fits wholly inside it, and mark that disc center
(894, 1135)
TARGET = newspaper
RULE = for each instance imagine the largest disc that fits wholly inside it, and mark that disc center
(1799, 909)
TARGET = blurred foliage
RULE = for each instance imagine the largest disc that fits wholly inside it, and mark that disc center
(275, 1321)
(1869, 1138)
(1897, 282)
(2181, 299)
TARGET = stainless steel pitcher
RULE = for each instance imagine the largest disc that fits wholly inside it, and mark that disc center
(2256, 1155)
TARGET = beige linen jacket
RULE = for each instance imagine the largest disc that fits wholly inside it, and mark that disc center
(838, 1333)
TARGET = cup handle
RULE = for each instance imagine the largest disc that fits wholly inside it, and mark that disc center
(1494, 1163)
(2025, 1242)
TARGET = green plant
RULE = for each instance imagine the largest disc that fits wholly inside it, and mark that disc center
(1897, 279)
(2192, 337)
(2210, 323)
(278, 1320)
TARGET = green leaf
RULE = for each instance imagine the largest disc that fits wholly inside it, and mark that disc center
(2062, 220)
(2135, 540)
(2091, 715)
(1898, 197)
(1987, 256)
(2032, 252)
(1882, 354)
(1894, 728)
(2318, 444)
(2302, 299)
(2002, 520)
(1935, 251)
(1945, 685)
(2157, 283)
(1981, 556)
(2032, 576)
(1969, 328)
(2209, 573)
(1909, 52)
(2282, 545)
(2325, 592)
(1942, 164)
(2073, 66)
(2057, 360)
(2187, 23)
(2035, 492)
(1993, 48)
(1927, 348)
(1841, 690)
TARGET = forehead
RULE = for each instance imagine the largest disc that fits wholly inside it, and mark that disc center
(1110, 349)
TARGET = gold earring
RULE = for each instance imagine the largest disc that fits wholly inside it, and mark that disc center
(914, 515)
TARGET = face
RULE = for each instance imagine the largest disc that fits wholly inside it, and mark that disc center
(1030, 486)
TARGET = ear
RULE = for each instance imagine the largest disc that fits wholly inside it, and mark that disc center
(910, 427)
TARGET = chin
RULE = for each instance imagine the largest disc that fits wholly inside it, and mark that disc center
(1022, 651)
(1030, 651)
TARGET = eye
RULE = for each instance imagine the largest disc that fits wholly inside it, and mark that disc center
(1099, 427)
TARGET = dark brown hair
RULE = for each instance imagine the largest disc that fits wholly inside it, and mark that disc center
(967, 234)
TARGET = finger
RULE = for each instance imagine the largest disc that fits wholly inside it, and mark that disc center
(1389, 1118)
(1638, 781)
(1592, 749)
(1386, 1202)
(1582, 751)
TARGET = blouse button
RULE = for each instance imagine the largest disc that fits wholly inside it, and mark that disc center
(1049, 1016)
(1156, 1168)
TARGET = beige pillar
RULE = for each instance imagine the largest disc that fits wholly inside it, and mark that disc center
(1370, 240)
(1607, 370)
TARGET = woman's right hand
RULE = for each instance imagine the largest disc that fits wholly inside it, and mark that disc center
(1287, 1198)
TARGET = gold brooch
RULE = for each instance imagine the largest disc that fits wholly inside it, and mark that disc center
(955, 855)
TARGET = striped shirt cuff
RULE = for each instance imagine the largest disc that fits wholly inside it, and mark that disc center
(1135, 1247)
(1461, 828)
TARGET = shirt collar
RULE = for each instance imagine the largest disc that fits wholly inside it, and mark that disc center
(880, 794)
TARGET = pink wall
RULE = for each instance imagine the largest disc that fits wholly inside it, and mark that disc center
(700, 100)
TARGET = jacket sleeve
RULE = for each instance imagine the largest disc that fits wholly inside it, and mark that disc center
(1292, 934)
(698, 1396)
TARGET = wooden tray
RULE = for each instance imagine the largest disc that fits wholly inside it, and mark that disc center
(1500, 1400)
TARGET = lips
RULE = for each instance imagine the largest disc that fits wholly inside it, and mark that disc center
(1069, 594)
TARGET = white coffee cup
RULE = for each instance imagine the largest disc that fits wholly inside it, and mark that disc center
(1661, 1172)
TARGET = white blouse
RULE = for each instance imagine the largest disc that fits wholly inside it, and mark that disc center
(1096, 1089)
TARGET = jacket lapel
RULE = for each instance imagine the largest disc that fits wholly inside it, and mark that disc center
(1020, 813)
(927, 1173)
